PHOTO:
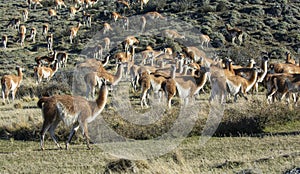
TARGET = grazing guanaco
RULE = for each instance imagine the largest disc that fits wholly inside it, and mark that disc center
(154, 15)
(282, 83)
(22, 35)
(52, 14)
(293, 87)
(73, 32)
(172, 34)
(196, 55)
(129, 41)
(284, 68)
(15, 23)
(48, 59)
(72, 110)
(143, 3)
(92, 80)
(116, 16)
(42, 72)
(45, 30)
(49, 40)
(113, 79)
(123, 5)
(150, 15)
(59, 3)
(239, 85)
(73, 11)
(87, 19)
(204, 39)
(125, 56)
(90, 3)
(4, 41)
(150, 53)
(25, 15)
(32, 34)
(11, 83)
(35, 3)
(106, 28)
(235, 33)
(107, 43)
(61, 57)
(79, 2)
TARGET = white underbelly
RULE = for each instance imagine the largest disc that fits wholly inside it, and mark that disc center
(65, 115)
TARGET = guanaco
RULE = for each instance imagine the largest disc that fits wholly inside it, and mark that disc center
(11, 83)
(73, 32)
(72, 110)
(4, 41)
(32, 34)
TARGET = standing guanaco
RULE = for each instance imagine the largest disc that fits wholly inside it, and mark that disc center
(4, 41)
(73, 32)
(32, 34)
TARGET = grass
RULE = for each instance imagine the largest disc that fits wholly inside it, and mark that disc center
(253, 137)
(259, 153)
(272, 154)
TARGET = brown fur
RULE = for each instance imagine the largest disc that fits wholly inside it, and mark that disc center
(45, 30)
(142, 3)
(25, 15)
(73, 32)
(235, 33)
(289, 59)
(54, 107)
(106, 28)
(107, 43)
(45, 72)
(239, 85)
(172, 34)
(204, 39)
(8, 86)
(73, 11)
(35, 3)
(52, 14)
(59, 3)
(145, 84)
(130, 41)
(32, 34)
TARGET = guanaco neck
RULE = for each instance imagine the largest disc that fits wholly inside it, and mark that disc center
(253, 78)
(173, 71)
(102, 98)
(133, 54)
(201, 80)
(20, 74)
(180, 65)
(185, 70)
(288, 58)
(118, 75)
(55, 68)
(105, 61)
(264, 68)
(251, 65)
